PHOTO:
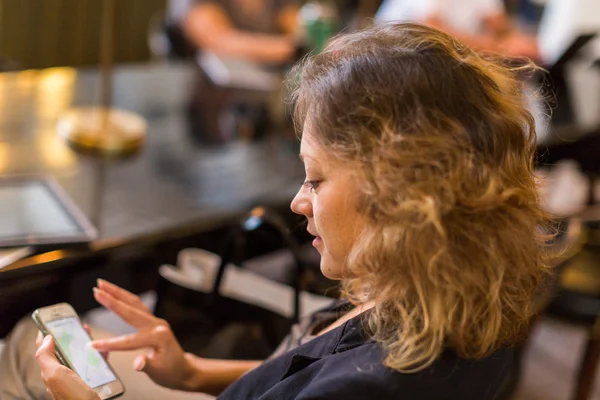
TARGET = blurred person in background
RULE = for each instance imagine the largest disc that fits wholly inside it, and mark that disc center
(255, 30)
(481, 24)
(260, 32)
(420, 192)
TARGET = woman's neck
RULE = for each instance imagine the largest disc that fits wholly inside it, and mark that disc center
(348, 316)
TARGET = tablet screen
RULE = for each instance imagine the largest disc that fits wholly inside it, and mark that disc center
(30, 209)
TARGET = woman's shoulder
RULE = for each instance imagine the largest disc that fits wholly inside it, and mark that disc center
(357, 366)
(346, 364)
(361, 371)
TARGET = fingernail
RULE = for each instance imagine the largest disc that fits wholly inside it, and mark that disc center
(47, 339)
(96, 344)
(139, 364)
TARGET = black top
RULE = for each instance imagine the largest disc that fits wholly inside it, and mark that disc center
(344, 364)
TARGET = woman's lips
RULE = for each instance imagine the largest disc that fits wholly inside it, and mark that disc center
(317, 242)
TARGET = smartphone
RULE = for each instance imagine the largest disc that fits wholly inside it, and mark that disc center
(73, 350)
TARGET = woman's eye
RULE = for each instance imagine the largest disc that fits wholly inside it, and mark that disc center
(312, 185)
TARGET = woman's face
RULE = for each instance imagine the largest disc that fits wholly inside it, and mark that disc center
(328, 200)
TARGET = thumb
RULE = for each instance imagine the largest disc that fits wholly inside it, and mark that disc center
(45, 353)
(140, 362)
(148, 364)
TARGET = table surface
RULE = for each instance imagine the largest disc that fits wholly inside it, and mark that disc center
(173, 183)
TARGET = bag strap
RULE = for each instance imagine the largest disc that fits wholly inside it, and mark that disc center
(233, 248)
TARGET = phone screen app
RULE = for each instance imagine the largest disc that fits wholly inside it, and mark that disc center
(74, 342)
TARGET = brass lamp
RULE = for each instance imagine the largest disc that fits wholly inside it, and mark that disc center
(102, 129)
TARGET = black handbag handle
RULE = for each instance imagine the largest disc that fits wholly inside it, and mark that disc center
(233, 248)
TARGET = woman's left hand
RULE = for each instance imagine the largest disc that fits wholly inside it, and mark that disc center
(61, 382)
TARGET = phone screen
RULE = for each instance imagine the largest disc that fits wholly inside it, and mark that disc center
(74, 343)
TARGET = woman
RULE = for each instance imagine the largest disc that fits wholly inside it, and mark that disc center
(254, 30)
(420, 194)
(481, 24)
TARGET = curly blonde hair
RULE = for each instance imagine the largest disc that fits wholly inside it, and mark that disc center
(443, 149)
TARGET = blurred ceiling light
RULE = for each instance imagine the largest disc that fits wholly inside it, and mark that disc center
(3, 156)
(57, 78)
(55, 90)
(16, 90)
(26, 79)
(55, 152)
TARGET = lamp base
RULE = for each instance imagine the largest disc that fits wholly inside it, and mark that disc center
(103, 130)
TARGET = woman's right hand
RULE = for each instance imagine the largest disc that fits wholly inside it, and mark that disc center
(165, 362)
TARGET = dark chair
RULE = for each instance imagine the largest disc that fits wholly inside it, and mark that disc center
(556, 75)
(567, 243)
(210, 324)
(577, 301)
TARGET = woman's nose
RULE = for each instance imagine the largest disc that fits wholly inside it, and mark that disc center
(301, 204)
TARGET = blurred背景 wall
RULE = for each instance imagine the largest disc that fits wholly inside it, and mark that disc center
(40, 34)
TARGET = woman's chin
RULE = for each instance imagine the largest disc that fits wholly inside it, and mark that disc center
(329, 271)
